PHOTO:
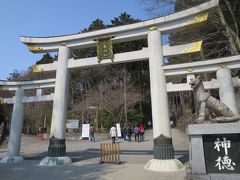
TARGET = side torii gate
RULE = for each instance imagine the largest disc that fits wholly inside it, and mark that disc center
(152, 30)
(14, 143)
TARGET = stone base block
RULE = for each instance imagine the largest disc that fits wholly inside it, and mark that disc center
(11, 159)
(204, 154)
(168, 165)
(55, 161)
(215, 177)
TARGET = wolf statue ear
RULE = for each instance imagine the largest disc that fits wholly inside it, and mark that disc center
(199, 77)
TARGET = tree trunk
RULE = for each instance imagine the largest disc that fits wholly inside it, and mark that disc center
(228, 33)
(140, 85)
(125, 92)
(182, 101)
(72, 100)
(100, 102)
(236, 32)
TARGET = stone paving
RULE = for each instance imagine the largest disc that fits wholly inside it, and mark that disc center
(85, 156)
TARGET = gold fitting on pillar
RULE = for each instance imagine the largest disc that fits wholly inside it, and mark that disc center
(222, 65)
(2, 101)
(35, 68)
(34, 48)
(153, 28)
(189, 69)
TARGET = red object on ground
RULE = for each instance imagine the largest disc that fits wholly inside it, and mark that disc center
(42, 137)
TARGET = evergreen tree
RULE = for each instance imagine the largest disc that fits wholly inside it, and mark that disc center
(47, 58)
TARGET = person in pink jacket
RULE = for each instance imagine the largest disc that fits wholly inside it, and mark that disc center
(142, 130)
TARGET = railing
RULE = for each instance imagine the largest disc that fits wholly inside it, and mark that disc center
(110, 153)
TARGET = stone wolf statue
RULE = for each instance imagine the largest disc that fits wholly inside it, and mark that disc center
(206, 101)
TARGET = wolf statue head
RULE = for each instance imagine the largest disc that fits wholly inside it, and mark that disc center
(196, 82)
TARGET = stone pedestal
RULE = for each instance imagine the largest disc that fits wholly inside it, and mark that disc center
(57, 147)
(55, 161)
(56, 153)
(11, 159)
(163, 148)
(215, 151)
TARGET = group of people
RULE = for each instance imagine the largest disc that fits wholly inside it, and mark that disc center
(126, 133)
(112, 133)
(138, 132)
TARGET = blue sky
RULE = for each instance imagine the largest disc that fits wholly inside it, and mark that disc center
(49, 18)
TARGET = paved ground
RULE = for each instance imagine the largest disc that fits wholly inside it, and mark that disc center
(85, 156)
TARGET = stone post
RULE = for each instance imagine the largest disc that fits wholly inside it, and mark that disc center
(57, 147)
(14, 144)
(226, 90)
(163, 148)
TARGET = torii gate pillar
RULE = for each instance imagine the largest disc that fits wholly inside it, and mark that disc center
(163, 148)
(13, 154)
(57, 148)
(226, 89)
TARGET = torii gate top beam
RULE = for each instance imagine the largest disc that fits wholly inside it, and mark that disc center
(165, 24)
(36, 84)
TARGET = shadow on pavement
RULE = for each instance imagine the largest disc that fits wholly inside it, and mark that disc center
(184, 155)
(30, 170)
(93, 153)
